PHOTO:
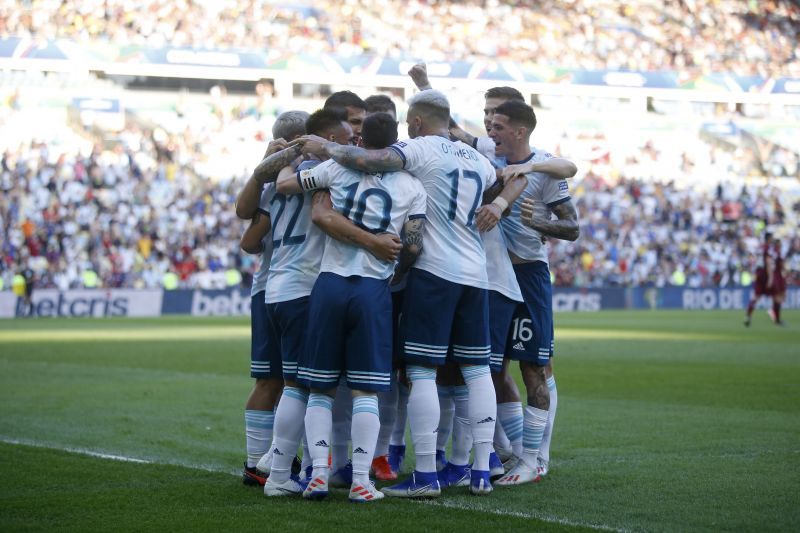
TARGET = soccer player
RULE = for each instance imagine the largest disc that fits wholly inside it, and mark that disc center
(390, 448)
(259, 416)
(294, 267)
(446, 299)
(509, 408)
(532, 335)
(355, 108)
(350, 329)
(297, 252)
(770, 281)
(380, 103)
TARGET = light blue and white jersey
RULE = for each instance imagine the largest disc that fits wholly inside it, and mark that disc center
(297, 245)
(524, 241)
(375, 202)
(498, 265)
(260, 277)
(484, 146)
(454, 176)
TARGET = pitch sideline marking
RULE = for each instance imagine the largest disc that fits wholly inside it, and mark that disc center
(435, 503)
(108, 456)
(534, 515)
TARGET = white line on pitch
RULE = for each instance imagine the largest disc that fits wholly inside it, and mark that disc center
(206, 468)
(502, 512)
(112, 457)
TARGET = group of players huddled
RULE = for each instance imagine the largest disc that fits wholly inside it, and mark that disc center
(398, 281)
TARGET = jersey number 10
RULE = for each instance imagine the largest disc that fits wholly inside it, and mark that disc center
(361, 207)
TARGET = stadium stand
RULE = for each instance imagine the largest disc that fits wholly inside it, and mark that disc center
(744, 38)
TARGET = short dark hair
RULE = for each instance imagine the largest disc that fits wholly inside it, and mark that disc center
(379, 130)
(344, 99)
(380, 103)
(508, 93)
(518, 113)
(322, 121)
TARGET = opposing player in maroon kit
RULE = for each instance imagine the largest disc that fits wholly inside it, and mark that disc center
(770, 281)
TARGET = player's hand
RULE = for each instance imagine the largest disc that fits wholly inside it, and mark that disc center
(313, 144)
(275, 146)
(386, 247)
(487, 216)
(534, 212)
(515, 170)
(396, 279)
(419, 75)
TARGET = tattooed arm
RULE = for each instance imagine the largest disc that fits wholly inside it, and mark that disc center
(267, 171)
(536, 215)
(412, 247)
(384, 160)
(248, 197)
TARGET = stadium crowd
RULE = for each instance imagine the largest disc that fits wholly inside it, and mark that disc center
(688, 36)
(141, 215)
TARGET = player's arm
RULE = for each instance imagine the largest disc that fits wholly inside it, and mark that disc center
(555, 167)
(537, 215)
(251, 241)
(267, 171)
(384, 246)
(248, 197)
(287, 182)
(498, 201)
(412, 247)
(460, 134)
(384, 160)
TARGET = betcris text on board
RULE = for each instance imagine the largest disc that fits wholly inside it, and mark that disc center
(95, 303)
(66, 304)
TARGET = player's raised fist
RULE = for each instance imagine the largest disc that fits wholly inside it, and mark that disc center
(419, 75)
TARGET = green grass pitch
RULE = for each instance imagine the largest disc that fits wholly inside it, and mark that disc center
(666, 421)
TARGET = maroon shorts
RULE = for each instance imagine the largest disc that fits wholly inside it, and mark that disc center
(778, 285)
(760, 285)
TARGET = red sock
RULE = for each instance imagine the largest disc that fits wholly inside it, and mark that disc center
(776, 310)
(750, 307)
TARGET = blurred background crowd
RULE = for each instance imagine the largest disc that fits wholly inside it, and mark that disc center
(745, 37)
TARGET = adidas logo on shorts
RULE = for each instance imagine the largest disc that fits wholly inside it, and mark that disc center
(486, 420)
(276, 451)
(359, 450)
(519, 346)
(322, 444)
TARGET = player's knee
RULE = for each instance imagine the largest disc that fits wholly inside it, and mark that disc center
(269, 385)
